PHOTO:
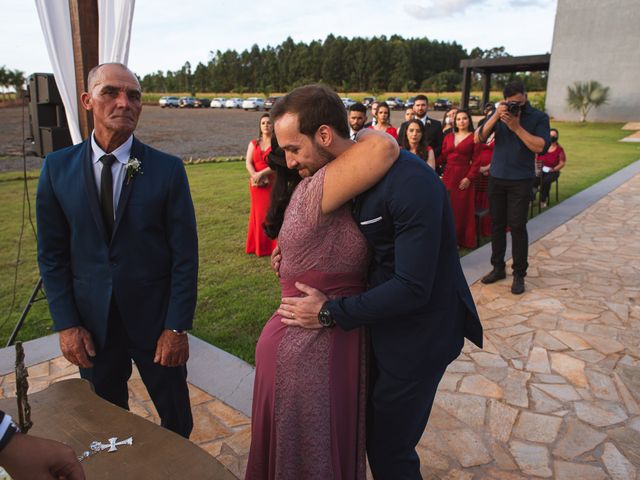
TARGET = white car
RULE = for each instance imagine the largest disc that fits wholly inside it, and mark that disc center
(253, 103)
(218, 102)
(233, 103)
(169, 102)
(347, 102)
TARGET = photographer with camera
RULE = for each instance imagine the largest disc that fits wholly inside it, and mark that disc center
(521, 132)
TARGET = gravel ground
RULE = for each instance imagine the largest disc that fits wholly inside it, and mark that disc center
(187, 133)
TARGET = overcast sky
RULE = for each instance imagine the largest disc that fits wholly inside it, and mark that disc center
(166, 33)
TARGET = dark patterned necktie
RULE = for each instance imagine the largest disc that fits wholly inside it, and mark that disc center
(106, 192)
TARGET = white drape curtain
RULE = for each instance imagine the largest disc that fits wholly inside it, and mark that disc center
(115, 19)
(56, 27)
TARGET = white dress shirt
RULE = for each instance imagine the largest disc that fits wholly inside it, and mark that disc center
(122, 154)
(423, 119)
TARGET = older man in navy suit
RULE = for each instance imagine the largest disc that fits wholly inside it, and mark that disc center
(418, 308)
(118, 253)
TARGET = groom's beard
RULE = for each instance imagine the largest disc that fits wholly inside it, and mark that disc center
(324, 155)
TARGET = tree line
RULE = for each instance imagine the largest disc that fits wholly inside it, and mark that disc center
(377, 64)
(11, 80)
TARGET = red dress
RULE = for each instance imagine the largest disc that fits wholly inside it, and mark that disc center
(257, 240)
(390, 130)
(461, 161)
(482, 185)
(307, 420)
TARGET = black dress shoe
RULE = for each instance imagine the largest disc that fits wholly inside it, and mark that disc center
(494, 275)
(517, 287)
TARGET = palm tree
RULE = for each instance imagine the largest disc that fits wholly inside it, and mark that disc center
(583, 96)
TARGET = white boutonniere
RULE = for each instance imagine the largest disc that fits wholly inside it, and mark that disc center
(133, 167)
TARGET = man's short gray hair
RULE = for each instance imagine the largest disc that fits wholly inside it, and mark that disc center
(93, 74)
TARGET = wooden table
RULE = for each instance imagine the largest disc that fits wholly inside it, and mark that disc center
(70, 412)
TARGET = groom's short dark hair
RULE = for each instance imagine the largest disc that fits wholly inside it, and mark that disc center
(315, 105)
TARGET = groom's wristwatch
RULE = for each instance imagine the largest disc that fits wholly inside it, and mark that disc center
(179, 332)
(324, 317)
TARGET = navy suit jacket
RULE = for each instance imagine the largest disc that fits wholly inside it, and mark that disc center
(149, 266)
(418, 306)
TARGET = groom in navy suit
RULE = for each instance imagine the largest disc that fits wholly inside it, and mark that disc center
(418, 308)
(118, 253)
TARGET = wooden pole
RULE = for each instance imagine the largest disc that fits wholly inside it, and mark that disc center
(84, 32)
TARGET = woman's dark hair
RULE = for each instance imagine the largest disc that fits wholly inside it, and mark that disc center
(465, 111)
(286, 182)
(422, 150)
(259, 122)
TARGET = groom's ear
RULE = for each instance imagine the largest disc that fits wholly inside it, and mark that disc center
(324, 135)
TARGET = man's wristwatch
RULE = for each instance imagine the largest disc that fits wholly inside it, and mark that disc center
(179, 332)
(324, 317)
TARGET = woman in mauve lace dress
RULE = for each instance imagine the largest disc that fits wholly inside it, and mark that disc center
(309, 393)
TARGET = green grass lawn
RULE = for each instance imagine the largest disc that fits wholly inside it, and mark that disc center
(238, 292)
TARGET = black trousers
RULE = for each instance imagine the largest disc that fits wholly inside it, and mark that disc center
(509, 207)
(397, 415)
(167, 386)
(544, 181)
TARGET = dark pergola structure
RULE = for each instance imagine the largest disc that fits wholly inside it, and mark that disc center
(489, 66)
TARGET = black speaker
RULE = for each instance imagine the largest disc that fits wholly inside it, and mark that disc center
(47, 119)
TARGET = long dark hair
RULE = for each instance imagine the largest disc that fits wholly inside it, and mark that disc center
(264, 115)
(466, 112)
(286, 182)
(423, 153)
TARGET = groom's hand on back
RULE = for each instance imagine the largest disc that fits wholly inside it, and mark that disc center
(77, 346)
(276, 258)
(172, 349)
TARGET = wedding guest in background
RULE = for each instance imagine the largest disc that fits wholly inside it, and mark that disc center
(357, 117)
(551, 163)
(460, 154)
(383, 120)
(415, 142)
(260, 180)
(481, 182)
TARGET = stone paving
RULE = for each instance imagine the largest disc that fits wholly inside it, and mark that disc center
(555, 393)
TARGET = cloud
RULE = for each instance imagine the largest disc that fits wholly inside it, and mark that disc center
(529, 3)
(439, 9)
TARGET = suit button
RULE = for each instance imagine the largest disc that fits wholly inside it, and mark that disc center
(114, 264)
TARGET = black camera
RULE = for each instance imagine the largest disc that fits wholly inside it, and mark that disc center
(514, 108)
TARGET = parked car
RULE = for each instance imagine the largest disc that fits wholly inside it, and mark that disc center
(347, 102)
(233, 103)
(474, 103)
(268, 104)
(187, 102)
(395, 103)
(253, 103)
(202, 103)
(442, 104)
(409, 103)
(170, 102)
(367, 101)
(218, 102)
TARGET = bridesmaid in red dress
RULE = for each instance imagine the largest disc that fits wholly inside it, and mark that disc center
(260, 179)
(460, 154)
(383, 124)
(482, 179)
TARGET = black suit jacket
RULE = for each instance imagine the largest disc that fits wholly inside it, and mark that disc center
(418, 306)
(432, 132)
